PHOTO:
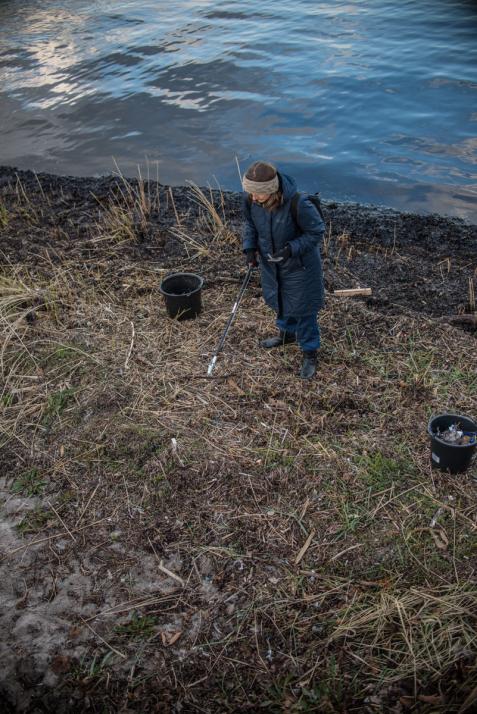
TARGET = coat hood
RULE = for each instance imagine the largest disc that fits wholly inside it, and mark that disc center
(288, 186)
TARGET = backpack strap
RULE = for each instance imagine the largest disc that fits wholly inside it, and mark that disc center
(294, 207)
(314, 199)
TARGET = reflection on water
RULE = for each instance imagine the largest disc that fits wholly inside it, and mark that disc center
(364, 101)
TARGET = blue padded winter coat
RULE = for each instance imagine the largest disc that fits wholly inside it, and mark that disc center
(294, 288)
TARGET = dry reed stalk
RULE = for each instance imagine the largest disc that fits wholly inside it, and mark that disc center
(171, 194)
(24, 199)
(471, 295)
(15, 294)
(215, 224)
(129, 208)
(214, 227)
(99, 637)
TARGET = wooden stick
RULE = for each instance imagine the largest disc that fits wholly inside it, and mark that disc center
(342, 552)
(352, 292)
(471, 295)
(103, 640)
(62, 521)
(170, 574)
(305, 547)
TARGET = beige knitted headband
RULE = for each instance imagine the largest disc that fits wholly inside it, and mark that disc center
(261, 187)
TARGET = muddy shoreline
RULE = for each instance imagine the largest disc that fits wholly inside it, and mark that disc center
(410, 261)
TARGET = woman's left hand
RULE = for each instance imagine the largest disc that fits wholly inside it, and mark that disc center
(281, 255)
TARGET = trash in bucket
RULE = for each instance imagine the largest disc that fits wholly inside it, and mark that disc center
(182, 295)
(454, 435)
(453, 442)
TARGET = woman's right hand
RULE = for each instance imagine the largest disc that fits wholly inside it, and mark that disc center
(251, 258)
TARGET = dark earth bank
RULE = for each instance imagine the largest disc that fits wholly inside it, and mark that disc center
(423, 263)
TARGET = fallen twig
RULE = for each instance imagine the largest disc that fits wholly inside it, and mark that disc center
(113, 649)
(305, 547)
(62, 521)
(170, 574)
(342, 552)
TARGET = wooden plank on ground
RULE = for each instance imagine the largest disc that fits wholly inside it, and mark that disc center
(353, 292)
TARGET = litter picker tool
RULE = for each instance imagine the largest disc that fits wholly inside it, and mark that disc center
(229, 321)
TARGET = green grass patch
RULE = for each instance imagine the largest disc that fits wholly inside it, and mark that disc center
(56, 404)
(29, 483)
(380, 364)
(61, 355)
(379, 471)
(35, 521)
(418, 367)
(275, 454)
(138, 627)
(456, 377)
(325, 693)
(94, 668)
(353, 517)
(7, 400)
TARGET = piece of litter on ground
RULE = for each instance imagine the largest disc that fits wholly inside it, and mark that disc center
(175, 452)
(433, 522)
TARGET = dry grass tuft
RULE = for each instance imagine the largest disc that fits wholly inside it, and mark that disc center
(16, 297)
(211, 226)
(18, 305)
(404, 634)
(127, 214)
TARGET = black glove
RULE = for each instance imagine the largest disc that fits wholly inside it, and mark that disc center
(251, 258)
(281, 255)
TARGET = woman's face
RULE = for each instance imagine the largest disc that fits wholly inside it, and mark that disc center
(260, 197)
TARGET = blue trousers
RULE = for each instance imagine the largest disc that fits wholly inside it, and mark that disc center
(306, 328)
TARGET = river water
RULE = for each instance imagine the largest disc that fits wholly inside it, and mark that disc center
(365, 100)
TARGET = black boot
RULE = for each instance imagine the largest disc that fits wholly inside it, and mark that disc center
(308, 366)
(284, 338)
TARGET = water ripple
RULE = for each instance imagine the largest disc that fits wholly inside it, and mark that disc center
(367, 101)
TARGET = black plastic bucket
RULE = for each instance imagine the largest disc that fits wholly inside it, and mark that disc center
(446, 455)
(182, 295)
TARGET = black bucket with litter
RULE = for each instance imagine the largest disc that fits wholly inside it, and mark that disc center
(182, 295)
(453, 442)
